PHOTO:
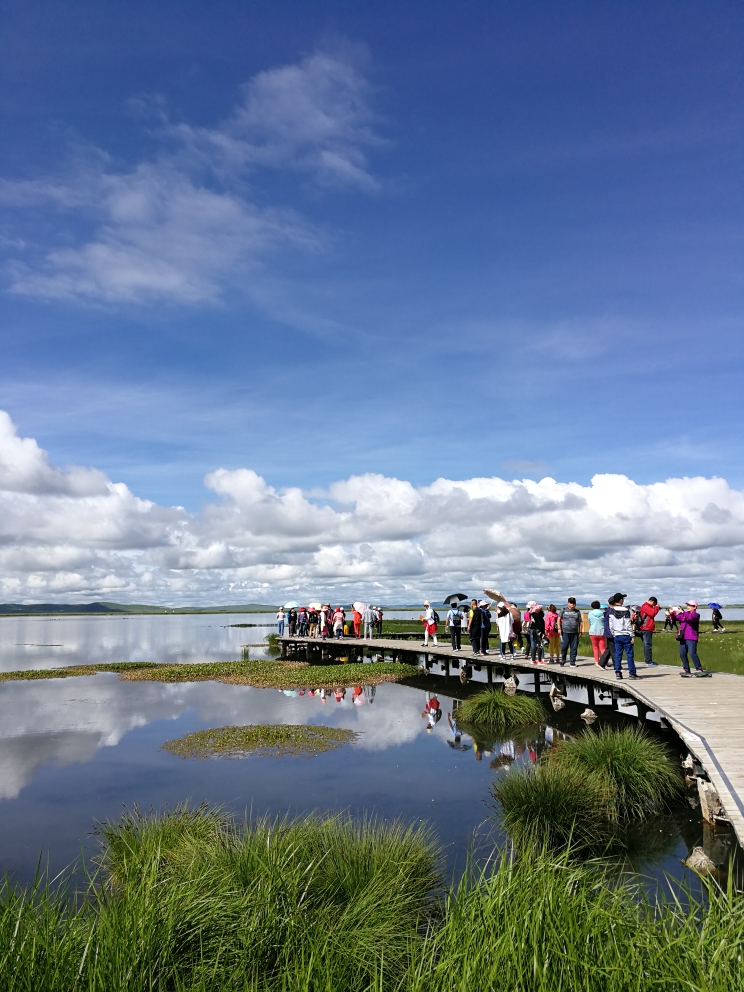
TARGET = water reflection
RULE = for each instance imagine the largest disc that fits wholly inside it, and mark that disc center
(73, 751)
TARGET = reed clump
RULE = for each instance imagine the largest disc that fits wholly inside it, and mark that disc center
(555, 807)
(638, 774)
(585, 788)
(267, 740)
(495, 710)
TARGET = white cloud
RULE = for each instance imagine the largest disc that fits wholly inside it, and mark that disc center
(181, 228)
(75, 536)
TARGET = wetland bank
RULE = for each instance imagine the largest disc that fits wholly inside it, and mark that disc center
(399, 805)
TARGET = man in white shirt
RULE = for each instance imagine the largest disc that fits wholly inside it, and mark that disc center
(281, 616)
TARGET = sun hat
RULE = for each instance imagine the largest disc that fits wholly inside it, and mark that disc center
(501, 604)
(427, 603)
(691, 602)
(483, 602)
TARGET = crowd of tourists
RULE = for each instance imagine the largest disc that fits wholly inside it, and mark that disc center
(551, 635)
(544, 635)
(323, 621)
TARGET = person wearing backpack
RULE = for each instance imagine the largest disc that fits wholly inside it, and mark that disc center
(431, 619)
(621, 626)
(717, 617)
(570, 626)
(485, 625)
(474, 626)
(453, 622)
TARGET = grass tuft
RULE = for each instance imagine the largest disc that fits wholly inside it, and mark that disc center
(268, 740)
(639, 775)
(554, 807)
(495, 710)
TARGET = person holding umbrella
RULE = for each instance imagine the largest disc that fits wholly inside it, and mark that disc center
(453, 622)
(716, 616)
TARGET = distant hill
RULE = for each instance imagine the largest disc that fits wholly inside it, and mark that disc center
(26, 609)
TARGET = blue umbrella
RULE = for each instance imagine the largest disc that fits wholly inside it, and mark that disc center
(714, 606)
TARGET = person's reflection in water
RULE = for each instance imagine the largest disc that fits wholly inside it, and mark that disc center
(357, 696)
(432, 711)
(456, 741)
(369, 693)
(339, 694)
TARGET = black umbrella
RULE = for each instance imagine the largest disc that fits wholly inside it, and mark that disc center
(456, 597)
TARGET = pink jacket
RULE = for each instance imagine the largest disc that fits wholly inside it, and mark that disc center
(551, 620)
(689, 625)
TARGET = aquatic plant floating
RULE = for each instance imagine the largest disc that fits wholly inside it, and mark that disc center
(268, 740)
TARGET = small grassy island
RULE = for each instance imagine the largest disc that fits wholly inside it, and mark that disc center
(269, 740)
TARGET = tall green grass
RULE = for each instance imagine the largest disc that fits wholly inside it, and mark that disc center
(189, 901)
(554, 807)
(638, 773)
(495, 710)
(554, 925)
(578, 794)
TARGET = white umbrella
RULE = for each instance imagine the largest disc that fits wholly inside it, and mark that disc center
(360, 607)
(291, 606)
(314, 606)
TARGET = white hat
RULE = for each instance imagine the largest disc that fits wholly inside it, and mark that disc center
(501, 604)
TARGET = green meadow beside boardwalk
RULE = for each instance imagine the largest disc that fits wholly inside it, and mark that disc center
(193, 901)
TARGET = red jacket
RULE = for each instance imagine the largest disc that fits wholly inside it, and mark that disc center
(648, 613)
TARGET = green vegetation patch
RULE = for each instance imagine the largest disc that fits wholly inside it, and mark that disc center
(497, 711)
(269, 740)
(74, 670)
(554, 807)
(584, 793)
(637, 771)
(189, 900)
(278, 674)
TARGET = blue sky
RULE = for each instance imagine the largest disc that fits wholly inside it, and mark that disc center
(419, 240)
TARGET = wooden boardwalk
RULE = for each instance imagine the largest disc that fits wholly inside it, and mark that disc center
(707, 714)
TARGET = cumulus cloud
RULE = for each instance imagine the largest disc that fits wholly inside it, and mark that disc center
(182, 227)
(74, 535)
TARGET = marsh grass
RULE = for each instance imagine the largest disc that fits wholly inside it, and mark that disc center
(189, 901)
(554, 807)
(639, 775)
(267, 740)
(494, 710)
(260, 674)
(72, 671)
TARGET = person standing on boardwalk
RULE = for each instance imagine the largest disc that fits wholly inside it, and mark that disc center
(552, 621)
(570, 623)
(453, 623)
(281, 616)
(596, 630)
(474, 626)
(356, 618)
(338, 622)
(312, 619)
(485, 625)
(323, 620)
(537, 633)
(621, 628)
(505, 623)
(648, 613)
(378, 614)
(689, 633)
(430, 624)
(368, 617)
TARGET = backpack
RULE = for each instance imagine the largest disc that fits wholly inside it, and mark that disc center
(435, 616)
(456, 618)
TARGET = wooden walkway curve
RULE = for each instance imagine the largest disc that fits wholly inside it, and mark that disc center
(707, 714)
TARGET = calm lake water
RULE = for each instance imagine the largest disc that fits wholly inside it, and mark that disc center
(76, 751)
